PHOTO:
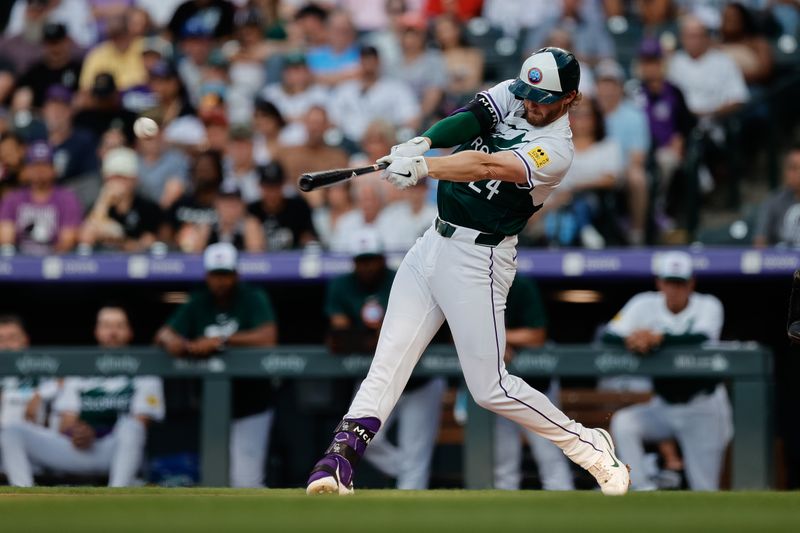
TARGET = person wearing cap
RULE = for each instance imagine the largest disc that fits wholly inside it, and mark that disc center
(627, 125)
(284, 221)
(514, 148)
(121, 219)
(120, 55)
(268, 124)
(668, 116)
(213, 18)
(696, 413)
(73, 148)
(163, 170)
(356, 103)
(293, 96)
(355, 304)
(240, 169)
(43, 217)
(103, 109)
(59, 64)
(229, 313)
(173, 102)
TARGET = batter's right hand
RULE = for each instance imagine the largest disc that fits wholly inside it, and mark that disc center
(411, 148)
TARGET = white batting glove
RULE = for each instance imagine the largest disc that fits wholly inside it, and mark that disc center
(406, 171)
(412, 148)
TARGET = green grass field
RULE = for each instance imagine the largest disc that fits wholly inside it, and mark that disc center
(384, 511)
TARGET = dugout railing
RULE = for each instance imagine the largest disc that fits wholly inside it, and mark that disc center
(745, 367)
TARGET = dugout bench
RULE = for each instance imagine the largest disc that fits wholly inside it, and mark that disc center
(747, 367)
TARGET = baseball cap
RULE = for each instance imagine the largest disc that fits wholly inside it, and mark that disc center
(53, 32)
(39, 152)
(676, 266)
(58, 93)
(650, 48)
(163, 69)
(271, 174)
(241, 132)
(120, 161)
(292, 59)
(220, 257)
(608, 69)
(365, 243)
(104, 85)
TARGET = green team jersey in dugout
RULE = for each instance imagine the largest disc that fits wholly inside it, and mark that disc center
(494, 206)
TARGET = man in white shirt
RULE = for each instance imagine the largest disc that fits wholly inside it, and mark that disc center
(711, 82)
(401, 223)
(696, 413)
(356, 103)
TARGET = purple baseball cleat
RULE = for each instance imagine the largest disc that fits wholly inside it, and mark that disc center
(333, 474)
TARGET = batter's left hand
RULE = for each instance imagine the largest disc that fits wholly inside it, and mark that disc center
(404, 172)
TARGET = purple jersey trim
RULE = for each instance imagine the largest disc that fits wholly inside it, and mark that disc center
(528, 170)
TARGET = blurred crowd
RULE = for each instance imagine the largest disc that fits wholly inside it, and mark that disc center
(248, 95)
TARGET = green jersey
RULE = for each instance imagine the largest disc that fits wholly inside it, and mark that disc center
(524, 305)
(364, 307)
(500, 207)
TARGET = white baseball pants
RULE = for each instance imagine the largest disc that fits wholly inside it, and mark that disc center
(249, 447)
(119, 453)
(417, 414)
(554, 471)
(703, 427)
(467, 284)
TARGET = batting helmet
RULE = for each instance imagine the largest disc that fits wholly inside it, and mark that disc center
(547, 76)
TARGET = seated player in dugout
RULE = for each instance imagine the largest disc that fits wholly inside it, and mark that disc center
(227, 312)
(103, 421)
(696, 413)
(526, 327)
(356, 304)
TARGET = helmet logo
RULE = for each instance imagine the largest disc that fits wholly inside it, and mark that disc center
(535, 76)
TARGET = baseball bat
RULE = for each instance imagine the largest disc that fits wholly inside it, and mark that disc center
(326, 178)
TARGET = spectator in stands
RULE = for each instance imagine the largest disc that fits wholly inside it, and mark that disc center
(337, 60)
(121, 219)
(387, 39)
(696, 413)
(355, 305)
(230, 224)
(120, 56)
(12, 160)
(75, 15)
(285, 221)
(337, 202)
(211, 17)
(356, 103)
(401, 223)
(173, 102)
(585, 22)
(464, 63)
(43, 217)
(74, 153)
(193, 46)
(423, 69)
(668, 116)
(163, 171)
(195, 209)
(378, 139)
(268, 124)
(369, 200)
(574, 211)
(627, 125)
(59, 65)
(103, 421)
(217, 132)
(711, 81)
(745, 44)
(779, 218)
(313, 155)
(659, 21)
(239, 165)
(294, 96)
(526, 327)
(246, 70)
(21, 47)
(227, 312)
(104, 109)
(311, 20)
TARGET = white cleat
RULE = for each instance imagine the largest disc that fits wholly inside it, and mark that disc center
(611, 474)
(327, 485)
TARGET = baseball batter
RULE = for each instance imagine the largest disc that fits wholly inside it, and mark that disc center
(514, 148)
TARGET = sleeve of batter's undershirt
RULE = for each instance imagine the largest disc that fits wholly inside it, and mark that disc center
(148, 397)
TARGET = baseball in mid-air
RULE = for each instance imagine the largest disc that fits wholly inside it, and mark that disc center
(145, 128)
